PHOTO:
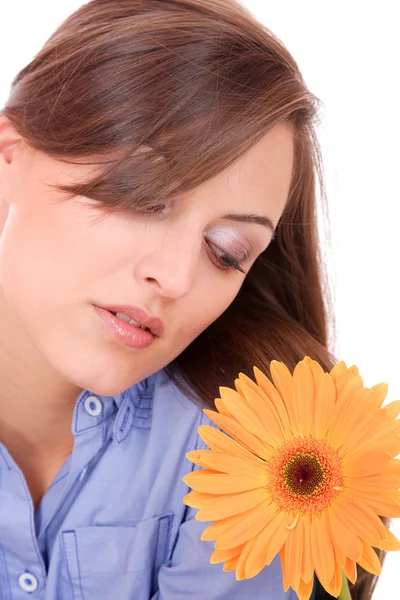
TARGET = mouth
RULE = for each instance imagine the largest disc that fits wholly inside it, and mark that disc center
(127, 330)
(127, 319)
(137, 317)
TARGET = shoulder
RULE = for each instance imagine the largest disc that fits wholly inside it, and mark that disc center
(168, 398)
(172, 417)
(164, 430)
(179, 413)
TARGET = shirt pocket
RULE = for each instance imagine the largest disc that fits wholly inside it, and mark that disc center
(110, 562)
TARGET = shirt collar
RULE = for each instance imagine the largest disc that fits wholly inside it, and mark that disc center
(131, 408)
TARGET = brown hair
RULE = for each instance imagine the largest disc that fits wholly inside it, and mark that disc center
(166, 94)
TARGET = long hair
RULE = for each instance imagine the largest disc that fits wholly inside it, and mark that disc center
(161, 95)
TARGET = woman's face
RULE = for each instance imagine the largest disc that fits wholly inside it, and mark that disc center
(58, 260)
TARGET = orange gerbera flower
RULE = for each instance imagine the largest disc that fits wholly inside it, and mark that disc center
(307, 469)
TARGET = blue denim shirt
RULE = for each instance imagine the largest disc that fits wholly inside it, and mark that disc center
(112, 526)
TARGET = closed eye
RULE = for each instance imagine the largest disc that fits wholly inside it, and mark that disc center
(224, 261)
(157, 209)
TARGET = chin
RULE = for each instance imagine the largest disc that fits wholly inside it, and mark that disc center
(107, 389)
(106, 369)
(107, 384)
(108, 379)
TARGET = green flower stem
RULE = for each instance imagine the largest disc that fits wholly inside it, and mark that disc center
(344, 592)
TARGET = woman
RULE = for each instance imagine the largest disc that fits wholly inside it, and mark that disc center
(158, 169)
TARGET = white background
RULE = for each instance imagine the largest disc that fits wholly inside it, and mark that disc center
(349, 55)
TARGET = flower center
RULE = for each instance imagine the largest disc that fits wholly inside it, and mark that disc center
(304, 475)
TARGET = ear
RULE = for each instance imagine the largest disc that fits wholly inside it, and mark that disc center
(9, 140)
(10, 143)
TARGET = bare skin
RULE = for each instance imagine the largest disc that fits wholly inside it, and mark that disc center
(58, 259)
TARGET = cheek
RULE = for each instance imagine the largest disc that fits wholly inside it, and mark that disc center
(208, 303)
(36, 253)
(56, 252)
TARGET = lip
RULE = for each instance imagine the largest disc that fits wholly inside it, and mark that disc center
(139, 315)
(126, 333)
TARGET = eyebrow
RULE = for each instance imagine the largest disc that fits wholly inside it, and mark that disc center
(243, 218)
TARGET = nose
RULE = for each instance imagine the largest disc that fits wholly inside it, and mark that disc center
(170, 265)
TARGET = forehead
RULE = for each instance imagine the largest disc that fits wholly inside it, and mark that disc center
(260, 179)
(257, 182)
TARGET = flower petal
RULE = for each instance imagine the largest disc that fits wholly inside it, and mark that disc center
(303, 397)
(230, 564)
(316, 369)
(218, 441)
(383, 506)
(393, 468)
(199, 499)
(222, 555)
(265, 412)
(392, 410)
(341, 380)
(293, 554)
(387, 541)
(365, 428)
(340, 557)
(334, 586)
(322, 550)
(210, 482)
(343, 423)
(304, 590)
(248, 526)
(285, 573)
(226, 463)
(338, 370)
(390, 542)
(350, 569)
(241, 411)
(369, 560)
(262, 553)
(283, 382)
(343, 537)
(386, 439)
(373, 483)
(243, 437)
(283, 427)
(279, 537)
(307, 565)
(241, 564)
(215, 530)
(378, 394)
(273, 395)
(363, 464)
(324, 405)
(343, 397)
(357, 520)
(232, 504)
(221, 407)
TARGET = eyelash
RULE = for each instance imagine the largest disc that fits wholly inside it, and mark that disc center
(157, 209)
(226, 262)
(229, 264)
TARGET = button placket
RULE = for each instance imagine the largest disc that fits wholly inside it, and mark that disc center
(17, 529)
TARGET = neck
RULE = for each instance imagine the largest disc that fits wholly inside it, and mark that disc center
(36, 404)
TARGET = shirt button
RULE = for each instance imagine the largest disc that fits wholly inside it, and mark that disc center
(93, 406)
(27, 582)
